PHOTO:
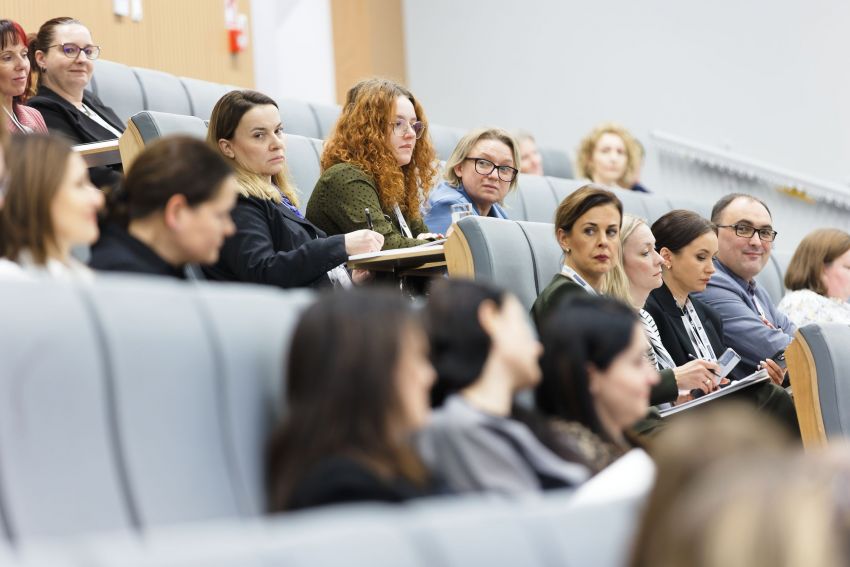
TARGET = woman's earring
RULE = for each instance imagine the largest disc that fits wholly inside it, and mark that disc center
(569, 250)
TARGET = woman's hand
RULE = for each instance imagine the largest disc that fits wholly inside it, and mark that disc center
(776, 372)
(360, 276)
(363, 242)
(697, 374)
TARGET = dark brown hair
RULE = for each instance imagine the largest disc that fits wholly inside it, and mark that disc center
(167, 167)
(341, 391)
(582, 200)
(726, 200)
(42, 41)
(678, 228)
(816, 251)
(25, 220)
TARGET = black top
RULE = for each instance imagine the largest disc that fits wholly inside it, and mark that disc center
(274, 246)
(558, 289)
(62, 117)
(668, 318)
(338, 479)
(119, 251)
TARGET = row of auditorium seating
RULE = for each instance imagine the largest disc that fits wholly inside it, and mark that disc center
(111, 421)
(129, 90)
(535, 199)
(523, 256)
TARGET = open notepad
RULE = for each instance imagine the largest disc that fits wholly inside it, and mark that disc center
(435, 246)
(754, 378)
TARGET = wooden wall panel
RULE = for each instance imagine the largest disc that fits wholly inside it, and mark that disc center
(183, 37)
(368, 40)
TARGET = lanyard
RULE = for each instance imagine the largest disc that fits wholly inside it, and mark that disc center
(696, 332)
(401, 222)
(759, 308)
(571, 273)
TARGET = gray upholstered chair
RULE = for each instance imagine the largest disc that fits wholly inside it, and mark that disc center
(119, 88)
(819, 367)
(519, 256)
(556, 163)
(147, 126)
(326, 116)
(203, 95)
(444, 138)
(163, 92)
(298, 118)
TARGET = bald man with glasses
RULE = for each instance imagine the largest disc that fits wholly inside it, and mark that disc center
(752, 325)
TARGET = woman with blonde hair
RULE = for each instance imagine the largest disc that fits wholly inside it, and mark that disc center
(274, 244)
(609, 155)
(47, 210)
(818, 279)
(377, 158)
(480, 172)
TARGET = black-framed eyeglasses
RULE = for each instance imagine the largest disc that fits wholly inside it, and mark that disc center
(72, 50)
(747, 231)
(486, 167)
(400, 128)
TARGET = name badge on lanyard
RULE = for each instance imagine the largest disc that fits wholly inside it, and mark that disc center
(571, 273)
(759, 308)
(696, 332)
(401, 222)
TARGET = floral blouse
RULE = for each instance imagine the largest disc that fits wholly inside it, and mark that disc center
(804, 307)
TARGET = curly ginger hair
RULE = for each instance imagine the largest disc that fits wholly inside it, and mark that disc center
(361, 138)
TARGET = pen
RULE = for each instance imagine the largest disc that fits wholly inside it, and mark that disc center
(368, 218)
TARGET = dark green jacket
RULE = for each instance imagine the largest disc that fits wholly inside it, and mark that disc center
(561, 287)
(339, 200)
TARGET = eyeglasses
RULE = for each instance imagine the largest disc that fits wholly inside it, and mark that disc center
(400, 128)
(486, 167)
(747, 231)
(72, 50)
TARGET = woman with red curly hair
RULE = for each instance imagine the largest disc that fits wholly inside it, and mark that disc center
(377, 159)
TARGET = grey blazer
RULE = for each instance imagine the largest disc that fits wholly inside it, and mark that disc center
(475, 451)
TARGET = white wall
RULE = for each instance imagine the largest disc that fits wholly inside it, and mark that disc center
(293, 49)
(766, 79)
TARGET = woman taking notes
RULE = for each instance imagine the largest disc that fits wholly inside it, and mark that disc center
(379, 158)
(587, 225)
(274, 244)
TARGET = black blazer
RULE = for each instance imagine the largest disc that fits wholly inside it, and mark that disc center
(273, 246)
(668, 318)
(339, 479)
(118, 251)
(63, 118)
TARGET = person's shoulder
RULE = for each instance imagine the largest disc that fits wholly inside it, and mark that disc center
(12, 271)
(445, 194)
(337, 479)
(343, 173)
(30, 112)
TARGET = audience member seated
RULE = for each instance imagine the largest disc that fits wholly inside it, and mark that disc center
(819, 279)
(689, 329)
(587, 225)
(62, 57)
(370, 164)
(357, 389)
(172, 210)
(531, 161)
(632, 280)
(757, 511)
(479, 173)
(609, 156)
(736, 432)
(14, 81)
(274, 244)
(753, 326)
(639, 161)
(485, 352)
(46, 211)
(596, 376)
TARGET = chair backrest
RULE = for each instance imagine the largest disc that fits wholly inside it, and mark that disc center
(521, 257)
(771, 279)
(151, 407)
(819, 367)
(556, 163)
(444, 138)
(303, 163)
(164, 92)
(298, 118)
(119, 88)
(203, 95)
(147, 126)
(326, 116)
(538, 198)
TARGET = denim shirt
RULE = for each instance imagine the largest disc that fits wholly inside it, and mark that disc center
(743, 329)
(438, 212)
